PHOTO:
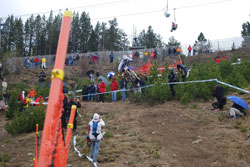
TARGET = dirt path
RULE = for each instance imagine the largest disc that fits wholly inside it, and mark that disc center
(167, 135)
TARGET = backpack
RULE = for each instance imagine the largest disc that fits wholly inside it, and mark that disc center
(95, 125)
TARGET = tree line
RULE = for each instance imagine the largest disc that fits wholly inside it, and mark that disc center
(38, 35)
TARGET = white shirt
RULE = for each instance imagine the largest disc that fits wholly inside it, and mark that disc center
(4, 84)
(98, 131)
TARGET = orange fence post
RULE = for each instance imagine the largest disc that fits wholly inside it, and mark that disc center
(36, 145)
(52, 120)
(70, 125)
(34, 162)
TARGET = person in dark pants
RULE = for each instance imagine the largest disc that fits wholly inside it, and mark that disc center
(74, 101)
(65, 111)
(42, 78)
(111, 56)
(172, 78)
(101, 89)
(85, 92)
(220, 96)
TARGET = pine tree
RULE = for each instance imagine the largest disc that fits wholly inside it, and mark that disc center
(150, 39)
(19, 37)
(85, 27)
(245, 33)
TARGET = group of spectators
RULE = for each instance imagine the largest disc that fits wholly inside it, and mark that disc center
(30, 62)
(71, 60)
(89, 93)
(31, 99)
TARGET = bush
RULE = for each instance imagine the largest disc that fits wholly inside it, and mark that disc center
(24, 122)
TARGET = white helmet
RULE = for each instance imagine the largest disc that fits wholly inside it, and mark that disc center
(125, 57)
(96, 117)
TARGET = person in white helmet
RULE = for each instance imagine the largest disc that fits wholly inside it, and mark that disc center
(125, 62)
(95, 135)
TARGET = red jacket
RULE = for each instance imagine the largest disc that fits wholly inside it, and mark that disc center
(114, 85)
(217, 60)
(101, 87)
(39, 100)
(36, 60)
(189, 48)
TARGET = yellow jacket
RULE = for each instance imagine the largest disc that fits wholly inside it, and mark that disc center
(43, 60)
(28, 101)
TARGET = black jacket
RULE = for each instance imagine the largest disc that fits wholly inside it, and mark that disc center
(219, 94)
(172, 78)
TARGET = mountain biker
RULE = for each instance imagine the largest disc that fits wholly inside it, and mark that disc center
(125, 62)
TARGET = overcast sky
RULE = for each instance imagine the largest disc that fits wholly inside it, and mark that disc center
(216, 21)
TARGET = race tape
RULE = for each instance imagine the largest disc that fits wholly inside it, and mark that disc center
(79, 153)
(243, 90)
(171, 83)
(74, 142)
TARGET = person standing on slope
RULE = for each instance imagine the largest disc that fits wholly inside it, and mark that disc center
(95, 135)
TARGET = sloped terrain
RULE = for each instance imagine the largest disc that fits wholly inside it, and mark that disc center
(171, 134)
(167, 135)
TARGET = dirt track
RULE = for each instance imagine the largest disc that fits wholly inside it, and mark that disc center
(171, 134)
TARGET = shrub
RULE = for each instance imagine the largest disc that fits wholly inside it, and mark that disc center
(26, 121)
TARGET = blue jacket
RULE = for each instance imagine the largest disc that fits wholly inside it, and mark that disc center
(92, 89)
(123, 83)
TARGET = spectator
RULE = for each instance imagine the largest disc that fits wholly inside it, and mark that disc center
(70, 61)
(152, 55)
(174, 51)
(145, 58)
(26, 63)
(189, 50)
(101, 90)
(155, 53)
(172, 78)
(4, 86)
(85, 92)
(95, 135)
(42, 77)
(111, 56)
(97, 73)
(39, 100)
(65, 111)
(224, 58)
(21, 96)
(114, 87)
(169, 51)
(36, 61)
(32, 62)
(1, 68)
(77, 57)
(92, 91)
(32, 94)
(194, 49)
(74, 101)
(123, 88)
(27, 101)
(6, 97)
(217, 60)
(237, 110)
(178, 50)
(220, 96)
(96, 90)
(43, 63)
